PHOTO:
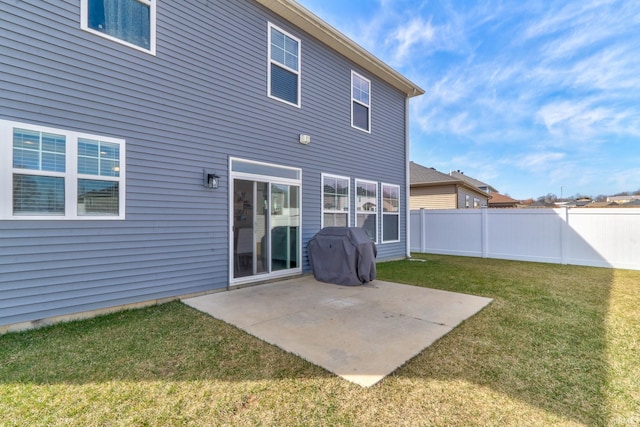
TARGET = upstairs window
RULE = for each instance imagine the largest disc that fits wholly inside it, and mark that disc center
(56, 174)
(360, 102)
(284, 66)
(130, 22)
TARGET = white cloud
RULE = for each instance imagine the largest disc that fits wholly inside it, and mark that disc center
(568, 16)
(579, 120)
(539, 161)
(413, 35)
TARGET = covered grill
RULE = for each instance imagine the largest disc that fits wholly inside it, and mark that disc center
(343, 256)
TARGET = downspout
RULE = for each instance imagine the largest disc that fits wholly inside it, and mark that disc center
(407, 177)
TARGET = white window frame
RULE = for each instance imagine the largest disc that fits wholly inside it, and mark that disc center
(353, 73)
(270, 61)
(335, 211)
(375, 212)
(382, 186)
(84, 25)
(71, 175)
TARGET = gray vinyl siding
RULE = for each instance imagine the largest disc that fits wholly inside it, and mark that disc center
(200, 100)
(462, 194)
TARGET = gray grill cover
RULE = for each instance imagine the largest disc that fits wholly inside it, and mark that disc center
(343, 256)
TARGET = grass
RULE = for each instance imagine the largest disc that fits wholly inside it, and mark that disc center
(558, 346)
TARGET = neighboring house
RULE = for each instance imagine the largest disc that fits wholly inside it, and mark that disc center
(473, 182)
(578, 203)
(189, 147)
(623, 199)
(602, 205)
(542, 204)
(498, 200)
(431, 189)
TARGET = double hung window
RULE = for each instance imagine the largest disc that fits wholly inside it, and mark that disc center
(131, 22)
(335, 201)
(39, 166)
(57, 174)
(367, 207)
(284, 66)
(360, 102)
(390, 213)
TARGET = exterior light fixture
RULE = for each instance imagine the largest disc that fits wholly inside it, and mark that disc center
(210, 180)
(305, 139)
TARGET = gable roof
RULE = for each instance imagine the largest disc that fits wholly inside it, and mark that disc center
(307, 21)
(501, 199)
(421, 176)
(472, 181)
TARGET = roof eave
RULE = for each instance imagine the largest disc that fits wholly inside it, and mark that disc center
(316, 27)
(433, 183)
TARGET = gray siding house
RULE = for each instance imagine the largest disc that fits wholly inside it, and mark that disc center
(151, 149)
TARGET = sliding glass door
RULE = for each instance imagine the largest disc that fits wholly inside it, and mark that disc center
(265, 238)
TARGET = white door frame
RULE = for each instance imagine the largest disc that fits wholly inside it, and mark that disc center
(243, 170)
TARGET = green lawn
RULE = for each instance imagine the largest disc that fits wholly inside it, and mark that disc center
(558, 346)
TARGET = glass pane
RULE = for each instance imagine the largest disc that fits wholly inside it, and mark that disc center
(243, 228)
(336, 194)
(98, 197)
(390, 198)
(284, 84)
(360, 116)
(98, 158)
(284, 49)
(291, 61)
(88, 166)
(53, 162)
(127, 20)
(38, 195)
(342, 202)
(335, 220)
(262, 225)
(360, 89)
(29, 139)
(264, 169)
(285, 225)
(368, 223)
(367, 197)
(53, 143)
(87, 147)
(330, 202)
(277, 54)
(277, 38)
(390, 227)
(109, 150)
(109, 168)
(26, 159)
(291, 46)
(38, 151)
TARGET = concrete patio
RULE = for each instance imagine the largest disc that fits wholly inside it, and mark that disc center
(361, 333)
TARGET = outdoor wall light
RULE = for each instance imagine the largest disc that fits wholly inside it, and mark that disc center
(305, 139)
(210, 180)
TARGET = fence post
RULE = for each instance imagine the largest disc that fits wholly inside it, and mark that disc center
(564, 236)
(423, 231)
(484, 231)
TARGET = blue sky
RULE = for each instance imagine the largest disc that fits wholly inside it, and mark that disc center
(532, 97)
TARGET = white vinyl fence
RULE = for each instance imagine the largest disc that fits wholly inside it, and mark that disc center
(595, 237)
